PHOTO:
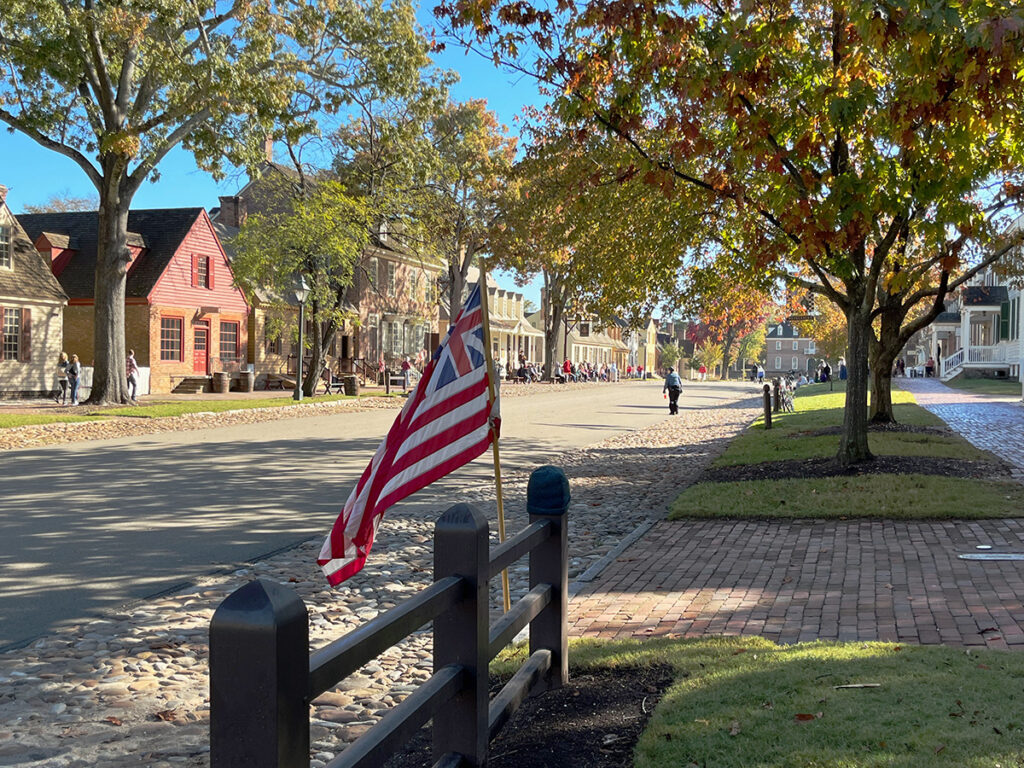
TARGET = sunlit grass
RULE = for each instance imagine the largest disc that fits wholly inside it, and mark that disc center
(748, 703)
(901, 497)
(179, 408)
(1005, 387)
(8, 420)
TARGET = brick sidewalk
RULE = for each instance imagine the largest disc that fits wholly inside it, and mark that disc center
(794, 581)
(799, 581)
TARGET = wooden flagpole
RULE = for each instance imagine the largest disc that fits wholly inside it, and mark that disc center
(494, 443)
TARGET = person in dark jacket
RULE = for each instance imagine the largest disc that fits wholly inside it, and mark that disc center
(674, 386)
(74, 376)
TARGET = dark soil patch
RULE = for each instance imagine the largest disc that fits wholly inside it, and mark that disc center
(881, 465)
(593, 722)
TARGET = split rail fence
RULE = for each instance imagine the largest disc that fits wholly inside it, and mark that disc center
(263, 679)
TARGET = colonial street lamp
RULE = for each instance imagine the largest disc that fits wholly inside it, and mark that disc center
(301, 294)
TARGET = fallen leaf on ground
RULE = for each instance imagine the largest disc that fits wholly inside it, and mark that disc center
(734, 728)
(114, 720)
(803, 717)
(167, 715)
(939, 748)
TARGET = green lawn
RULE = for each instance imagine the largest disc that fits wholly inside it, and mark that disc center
(796, 436)
(987, 386)
(748, 703)
(180, 408)
(8, 420)
(158, 409)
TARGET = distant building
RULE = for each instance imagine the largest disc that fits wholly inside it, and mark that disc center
(184, 316)
(787, 350)
(31, 313)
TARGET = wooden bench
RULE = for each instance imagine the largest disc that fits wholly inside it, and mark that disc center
(276, 381)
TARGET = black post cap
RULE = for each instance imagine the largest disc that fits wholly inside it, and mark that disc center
(547, 492)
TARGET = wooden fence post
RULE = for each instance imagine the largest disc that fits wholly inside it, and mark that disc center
(547, 498)
(259, 679)
(461, 634)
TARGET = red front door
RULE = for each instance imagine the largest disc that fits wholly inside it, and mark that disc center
(201, 349)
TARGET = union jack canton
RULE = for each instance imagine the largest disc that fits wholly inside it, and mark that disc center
(448, 420)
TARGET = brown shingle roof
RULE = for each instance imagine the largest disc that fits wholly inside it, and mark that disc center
(30, 277)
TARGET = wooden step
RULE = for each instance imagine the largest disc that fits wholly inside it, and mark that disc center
(191, 385)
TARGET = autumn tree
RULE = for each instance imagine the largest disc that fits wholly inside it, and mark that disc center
(727, 308)
(820, 136)
(602, 244)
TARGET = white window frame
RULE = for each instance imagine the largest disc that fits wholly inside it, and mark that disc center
(778, 363)
(796, 346)
(796, 363)
(778, 345)
(10, 333)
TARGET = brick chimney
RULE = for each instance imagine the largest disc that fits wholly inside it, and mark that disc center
(268, 149)
(3, 194)
(232, 211)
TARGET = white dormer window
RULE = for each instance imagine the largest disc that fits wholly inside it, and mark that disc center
(5, 247)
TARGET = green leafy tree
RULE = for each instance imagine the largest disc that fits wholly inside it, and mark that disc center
(116, 86)
(709, 355)
(752, 346)
(670, 354)
(836, 145)
(319, 234)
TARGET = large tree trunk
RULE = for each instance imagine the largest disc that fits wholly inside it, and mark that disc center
(883, 355)
(109, 378)
(727, 343)
(853, 444)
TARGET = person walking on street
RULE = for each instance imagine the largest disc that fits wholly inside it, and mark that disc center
(74, 375)
(133, 373)
(406, 376)
(760, 374)
(62, 379)
(703, 371)
(674, 386)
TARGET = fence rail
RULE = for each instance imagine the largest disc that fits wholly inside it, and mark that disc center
(263, 679)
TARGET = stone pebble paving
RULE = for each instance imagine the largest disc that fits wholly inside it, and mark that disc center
(131, 688)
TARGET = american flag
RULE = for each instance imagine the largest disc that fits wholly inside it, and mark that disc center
(448, 421)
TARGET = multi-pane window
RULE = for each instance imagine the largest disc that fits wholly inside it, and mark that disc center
(796, 362)
(395, 331)
(170, 338)
(389, 286)
(203, 272)
(228, 342)
(778, 345)
(778, 363)
(11, 333)
(795, 345)
(5, 246)
(274, 345)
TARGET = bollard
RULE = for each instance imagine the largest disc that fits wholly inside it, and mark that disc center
(259, 679)
(461, 634)
(547, 498)
(776, 395)
(767, 407)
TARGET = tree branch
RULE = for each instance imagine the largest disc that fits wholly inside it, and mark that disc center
(56, 146)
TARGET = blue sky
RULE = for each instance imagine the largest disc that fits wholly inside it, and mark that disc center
(34, 174)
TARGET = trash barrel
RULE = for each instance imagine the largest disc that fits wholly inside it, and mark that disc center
(221, 382)
(350, 384)
(247, 381)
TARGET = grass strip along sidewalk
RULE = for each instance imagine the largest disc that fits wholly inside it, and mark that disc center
(737, 702)
(744, 702)
(156, 410)
(922, 470)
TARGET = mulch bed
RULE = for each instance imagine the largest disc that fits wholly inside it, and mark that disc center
(881, 465)
(593, 722)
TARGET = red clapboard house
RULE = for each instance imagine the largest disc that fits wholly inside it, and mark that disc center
(184, 317)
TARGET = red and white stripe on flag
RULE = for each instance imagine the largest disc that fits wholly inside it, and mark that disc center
(448, 420)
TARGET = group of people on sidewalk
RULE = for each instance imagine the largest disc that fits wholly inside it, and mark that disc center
(69, 378)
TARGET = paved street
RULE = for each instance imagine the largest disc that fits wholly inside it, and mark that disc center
(91, 525)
